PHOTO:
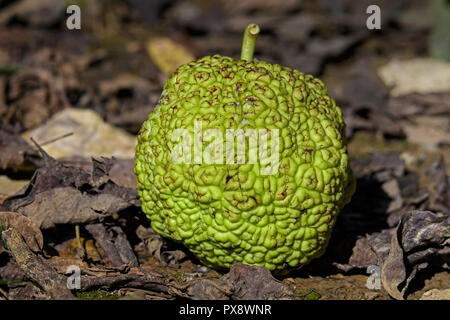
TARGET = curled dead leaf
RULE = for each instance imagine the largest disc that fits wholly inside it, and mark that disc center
(419, 235)
(242, 282)
(59, 194)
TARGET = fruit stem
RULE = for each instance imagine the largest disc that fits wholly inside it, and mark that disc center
(248, 43)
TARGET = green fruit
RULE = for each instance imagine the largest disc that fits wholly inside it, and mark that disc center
(236, 208)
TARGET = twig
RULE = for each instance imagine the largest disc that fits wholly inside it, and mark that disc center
(57, 138)
(48, 159)
(4, 293)
(130, 280)
(36, 267)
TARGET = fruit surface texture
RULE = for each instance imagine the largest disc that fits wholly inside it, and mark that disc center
(278, 214)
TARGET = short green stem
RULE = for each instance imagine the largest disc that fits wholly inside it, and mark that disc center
(248, 43)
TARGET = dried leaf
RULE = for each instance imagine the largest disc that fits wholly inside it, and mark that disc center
(156, 246)
(367, 97)
(124, 82)
(362, 256)
(379, 165)
(419, 235)
(100, 169)
(69, 205)
(9, 269)
(441, 186)
(36, 13)
(418, 75)
(242, 282)
(91, 137)
(59, 194)
(119, 170)
(114, 241)
(206, 289)
(34, 95)
(436, 294)
(393, 191)
(431, 104)
(430, 132)
(15, 153)
(255, 283)
(167, 54)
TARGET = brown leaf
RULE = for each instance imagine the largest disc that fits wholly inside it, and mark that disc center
(436, 294)
(123, 82)
(440, 198)
(156, 246)
(71, 206)
(9, 269)
(206, 289)
(242, 282)
(419, 235)
(59, 194)
(253, 282)
(100, 169)
(362, 256)
(430, 104)
(119, 170)
(15, 153)
(61, 264)
(36, 13)
(393, 271)
(92, 136)
(380, 242)
(379, 165)
(114, 241)
(34, 95)
(367, 97)
(429, 132)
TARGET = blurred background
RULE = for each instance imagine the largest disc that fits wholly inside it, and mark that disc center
(118, 62)
(85, 93)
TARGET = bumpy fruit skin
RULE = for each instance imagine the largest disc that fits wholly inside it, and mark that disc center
(225, 213)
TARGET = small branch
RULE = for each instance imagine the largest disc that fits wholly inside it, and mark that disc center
(48, 160)
(130, 280)
(36, 267)
(56, 139)
(4, 294)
